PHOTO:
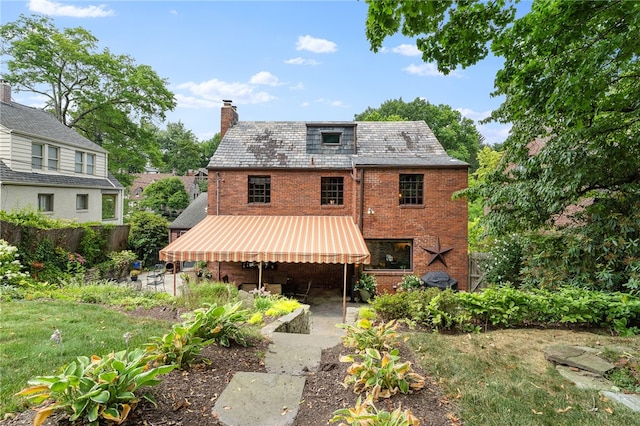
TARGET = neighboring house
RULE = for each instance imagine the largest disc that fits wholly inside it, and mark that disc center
(190, 217)
(142, 180)
(49, 167)
(279, 193)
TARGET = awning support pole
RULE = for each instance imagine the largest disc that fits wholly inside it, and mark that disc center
(174, 278)
(260, 276)
(344, 296)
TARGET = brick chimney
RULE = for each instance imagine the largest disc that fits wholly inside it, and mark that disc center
(5, 92)
(228, 117)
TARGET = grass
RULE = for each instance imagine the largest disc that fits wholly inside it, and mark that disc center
(26, 350)
(501, 378)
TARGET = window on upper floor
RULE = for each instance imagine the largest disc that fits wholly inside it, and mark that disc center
(260, 189)
(79, 162)
(52, 157)
(332, 191)
(108, 206)
(45, 202)
(91, 164)
(411, 189)
(331, 138)
(82, 202)
(390, 254)
(37, 156)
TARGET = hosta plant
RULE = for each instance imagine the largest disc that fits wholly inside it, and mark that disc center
(221, 324)
(381, 374)
(96, 390)
(181, 345)
(365, 335)
(366, 414)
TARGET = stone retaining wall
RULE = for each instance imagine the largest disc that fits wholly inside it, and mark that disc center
(298, 321)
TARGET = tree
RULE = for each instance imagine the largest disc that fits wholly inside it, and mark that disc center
(570, 79)
(458, 135)
(181, 151)
(165, 195)
(148, 234)
(105, 97)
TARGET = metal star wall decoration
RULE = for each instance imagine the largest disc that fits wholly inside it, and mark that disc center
(437, 252)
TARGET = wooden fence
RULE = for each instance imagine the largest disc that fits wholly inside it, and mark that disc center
(476, 274)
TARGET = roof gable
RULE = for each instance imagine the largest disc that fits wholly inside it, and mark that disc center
(36, 122)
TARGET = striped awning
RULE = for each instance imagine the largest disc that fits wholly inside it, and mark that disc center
(288, 239)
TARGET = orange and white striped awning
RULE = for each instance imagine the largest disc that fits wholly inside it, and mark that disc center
(288, 239)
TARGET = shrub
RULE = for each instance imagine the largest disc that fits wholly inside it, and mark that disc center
(505, 260)
(282, 307)
(411, 282)
(10, 267)
(148, 234)
(95, 389)
(213, 293)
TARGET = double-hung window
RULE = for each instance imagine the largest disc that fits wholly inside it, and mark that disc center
(91, 164)
(82, 202)
(52, 157)
(37, 156)
(79, 162)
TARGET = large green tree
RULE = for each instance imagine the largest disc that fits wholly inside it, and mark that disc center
(104, 96)
(180, 149)
(458, 135)
(165, 196)
(571, 83)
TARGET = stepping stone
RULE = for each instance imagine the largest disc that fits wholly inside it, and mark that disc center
(631, 401)
(252, 399)
(584, 379)
(296, 354)
(577, 357)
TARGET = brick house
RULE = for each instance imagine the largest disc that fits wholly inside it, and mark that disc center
(392, 180)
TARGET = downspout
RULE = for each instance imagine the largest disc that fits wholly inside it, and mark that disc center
(361, 214)
(217, 193)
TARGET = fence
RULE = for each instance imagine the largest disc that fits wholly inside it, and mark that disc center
(476, 274)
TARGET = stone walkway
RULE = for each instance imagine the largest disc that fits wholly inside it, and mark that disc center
(275, 396)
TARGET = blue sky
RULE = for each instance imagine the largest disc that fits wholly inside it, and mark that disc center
(277, 60)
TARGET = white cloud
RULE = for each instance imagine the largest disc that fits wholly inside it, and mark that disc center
(429, 70)
(173, 12)
(494, 133)
(305, 104)
(265, 78)
(298, 86)
(407, 50)
(301, 61)
(335, 103)
(315, 45)
(215, 90)
(474, 115)
(193, 102)
(59, 9)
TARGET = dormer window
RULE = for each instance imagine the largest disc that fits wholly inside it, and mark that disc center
(331, 138)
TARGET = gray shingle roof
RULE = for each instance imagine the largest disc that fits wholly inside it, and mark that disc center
(32, 121)
(283, 144)
(193, 214)
(31, 178)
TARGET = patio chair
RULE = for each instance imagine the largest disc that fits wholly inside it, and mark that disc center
(302, 297)
(155, 278)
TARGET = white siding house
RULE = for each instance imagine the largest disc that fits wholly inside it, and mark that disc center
(46, 166)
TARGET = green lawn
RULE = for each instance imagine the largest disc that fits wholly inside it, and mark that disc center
(502, 378)
(26, 349)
